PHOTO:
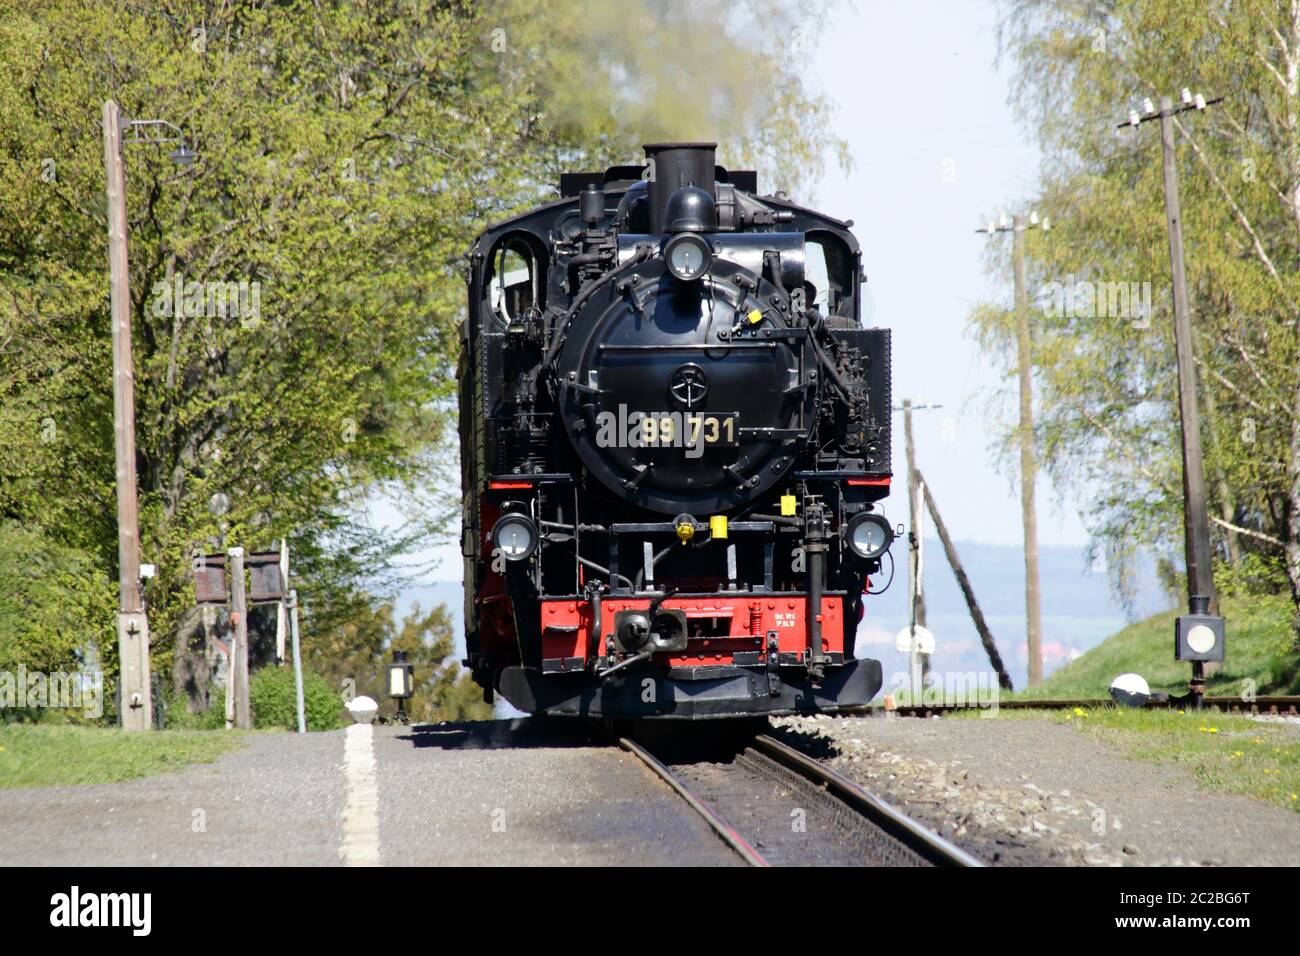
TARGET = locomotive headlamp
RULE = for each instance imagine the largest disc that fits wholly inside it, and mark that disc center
(514, 537)
(869, 535)
(688, 256)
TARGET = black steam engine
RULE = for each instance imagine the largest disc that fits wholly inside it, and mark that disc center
(674, 431)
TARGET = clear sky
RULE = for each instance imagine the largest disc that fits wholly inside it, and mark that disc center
(936, 150)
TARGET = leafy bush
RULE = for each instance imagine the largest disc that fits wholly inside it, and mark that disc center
(271, 694)
(178, 717)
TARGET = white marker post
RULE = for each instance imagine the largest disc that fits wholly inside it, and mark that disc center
(297, 659)
(281, 607)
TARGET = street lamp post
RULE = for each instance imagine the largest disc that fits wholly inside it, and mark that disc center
(401, 684)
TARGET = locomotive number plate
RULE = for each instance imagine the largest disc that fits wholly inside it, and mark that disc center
(719, 429)
(689, 430)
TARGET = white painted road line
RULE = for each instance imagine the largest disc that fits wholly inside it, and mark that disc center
(360, 846)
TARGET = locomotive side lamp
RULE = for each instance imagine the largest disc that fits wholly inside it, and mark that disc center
(514, 536)
(869, 535)
(401, 683)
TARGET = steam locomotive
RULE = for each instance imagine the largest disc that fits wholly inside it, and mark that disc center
(674, 436)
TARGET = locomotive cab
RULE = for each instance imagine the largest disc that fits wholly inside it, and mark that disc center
(674, 438)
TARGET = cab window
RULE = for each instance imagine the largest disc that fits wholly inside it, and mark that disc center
(514, 284)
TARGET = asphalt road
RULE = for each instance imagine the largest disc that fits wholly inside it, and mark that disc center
(487, 793)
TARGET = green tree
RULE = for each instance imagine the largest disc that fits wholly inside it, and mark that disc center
(1104, 378)
(357, 656)
(55, 605)
(295, 292)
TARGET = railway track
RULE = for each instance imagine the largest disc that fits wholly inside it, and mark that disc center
(775, 806)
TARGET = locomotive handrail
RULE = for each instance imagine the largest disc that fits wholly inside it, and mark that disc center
(652, 527)
(680, 346)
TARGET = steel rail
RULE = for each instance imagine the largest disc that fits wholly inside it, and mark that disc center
(920, 839)
(720, 826)
(927, 844)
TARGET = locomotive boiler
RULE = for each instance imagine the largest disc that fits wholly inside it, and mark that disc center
(674, 437)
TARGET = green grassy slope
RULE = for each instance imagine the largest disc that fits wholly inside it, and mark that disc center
(1260, 648)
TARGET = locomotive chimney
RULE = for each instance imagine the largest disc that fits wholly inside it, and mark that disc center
(674, 165)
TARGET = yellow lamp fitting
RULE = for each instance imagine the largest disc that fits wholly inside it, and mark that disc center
(718, 526)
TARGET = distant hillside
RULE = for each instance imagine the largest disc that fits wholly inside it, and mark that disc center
(1259, 648)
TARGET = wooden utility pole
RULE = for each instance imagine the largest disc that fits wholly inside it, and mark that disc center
(1196, 518)
(136, 707)
(1025, 437)
(1028, 462)
(238, 675)
(1196, 522)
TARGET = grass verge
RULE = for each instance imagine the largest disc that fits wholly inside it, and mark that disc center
(50, 755)
(1222, 753)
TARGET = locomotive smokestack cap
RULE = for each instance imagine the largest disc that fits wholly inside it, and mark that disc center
(691, 209)
(672, 166)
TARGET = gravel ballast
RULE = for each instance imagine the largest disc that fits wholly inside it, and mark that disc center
(1032, 792)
